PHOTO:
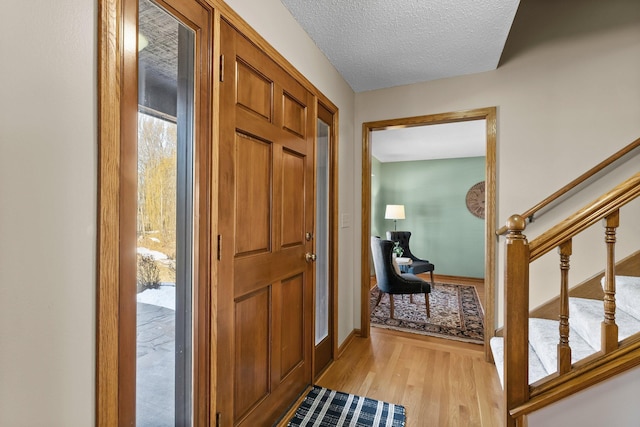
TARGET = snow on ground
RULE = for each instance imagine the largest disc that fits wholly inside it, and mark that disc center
(164, 296)
(155, 254)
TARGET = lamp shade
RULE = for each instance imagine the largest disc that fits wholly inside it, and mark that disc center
(394, 212)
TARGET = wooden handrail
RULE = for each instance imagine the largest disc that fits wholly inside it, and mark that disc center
(600, 167)
(585, 217)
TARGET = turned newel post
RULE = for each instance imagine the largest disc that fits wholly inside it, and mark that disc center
(516, 317)
(609, 329)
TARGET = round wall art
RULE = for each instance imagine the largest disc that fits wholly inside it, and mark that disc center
(475, 200)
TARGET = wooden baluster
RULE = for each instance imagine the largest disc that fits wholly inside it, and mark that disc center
(609, 329)
(564, 350)
(516, 323)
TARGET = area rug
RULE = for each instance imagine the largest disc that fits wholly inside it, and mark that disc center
(324, 408)
(456, 313)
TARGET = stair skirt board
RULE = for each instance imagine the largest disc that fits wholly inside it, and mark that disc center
(585, 318)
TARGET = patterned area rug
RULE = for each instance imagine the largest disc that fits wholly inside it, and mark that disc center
(456, 313)
(326, 408)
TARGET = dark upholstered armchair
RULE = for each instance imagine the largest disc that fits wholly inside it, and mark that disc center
(389, 281)
(418, 265)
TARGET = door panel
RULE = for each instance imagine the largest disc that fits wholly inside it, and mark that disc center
(252, 350)
(254, 90)
(291, 329)
(294, 115)
(253, 190)
(266, 202)
(293, 200)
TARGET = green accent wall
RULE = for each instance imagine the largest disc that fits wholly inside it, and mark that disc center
(433, 193)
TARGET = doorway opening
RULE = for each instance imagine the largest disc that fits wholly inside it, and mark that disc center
(489, 116)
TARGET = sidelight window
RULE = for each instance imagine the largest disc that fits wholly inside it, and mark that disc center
(164, 226)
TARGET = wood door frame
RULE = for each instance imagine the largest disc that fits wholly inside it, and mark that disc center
(117, 193)
(491, 242)
(333, 227)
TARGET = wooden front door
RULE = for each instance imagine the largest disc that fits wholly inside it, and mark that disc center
(265, 297)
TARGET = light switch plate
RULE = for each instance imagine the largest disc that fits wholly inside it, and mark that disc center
(345, 220)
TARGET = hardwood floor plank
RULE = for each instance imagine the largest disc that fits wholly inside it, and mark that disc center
(464, 391)
(440, 382)
(489, 405)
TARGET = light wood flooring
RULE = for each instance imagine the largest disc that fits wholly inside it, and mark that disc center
(440, 382)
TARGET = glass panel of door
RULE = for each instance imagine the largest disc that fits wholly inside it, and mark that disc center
(165, 219)
(322, 233)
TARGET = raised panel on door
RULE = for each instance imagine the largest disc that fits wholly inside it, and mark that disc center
(252, 336)
(293, 199)
(291, 329)
(294, 115)
(266, 205)
(254, 91)
(253, 195)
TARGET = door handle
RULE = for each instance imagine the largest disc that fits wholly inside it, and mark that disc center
(310, 257)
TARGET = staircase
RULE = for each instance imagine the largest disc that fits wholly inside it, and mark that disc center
(584, 332)
(543, 361)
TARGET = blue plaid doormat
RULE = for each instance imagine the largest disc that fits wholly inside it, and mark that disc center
(325, 408)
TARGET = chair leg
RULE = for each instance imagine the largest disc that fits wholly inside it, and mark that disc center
(432, 283)
(379, 298)
(391, 304)
(426, 301)
(411, 298)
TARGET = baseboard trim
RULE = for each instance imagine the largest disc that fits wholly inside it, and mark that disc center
(462, 280)
(342, 348)
(444, 278)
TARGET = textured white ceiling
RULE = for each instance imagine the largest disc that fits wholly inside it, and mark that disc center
(376, 44)
(441, 141)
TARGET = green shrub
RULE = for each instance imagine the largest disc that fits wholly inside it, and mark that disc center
(148, 273)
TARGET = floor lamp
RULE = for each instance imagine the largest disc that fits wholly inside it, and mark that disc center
(394, 212)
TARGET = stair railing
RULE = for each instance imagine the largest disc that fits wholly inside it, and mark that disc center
(579, 183)
(520, 397)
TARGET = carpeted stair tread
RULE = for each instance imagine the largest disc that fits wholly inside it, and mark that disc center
(544, 338)
(536, 369)
(628, 294)
(586, 316)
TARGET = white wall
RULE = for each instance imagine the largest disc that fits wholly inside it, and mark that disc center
(613, 403)
(566, 99)
(48, 171)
